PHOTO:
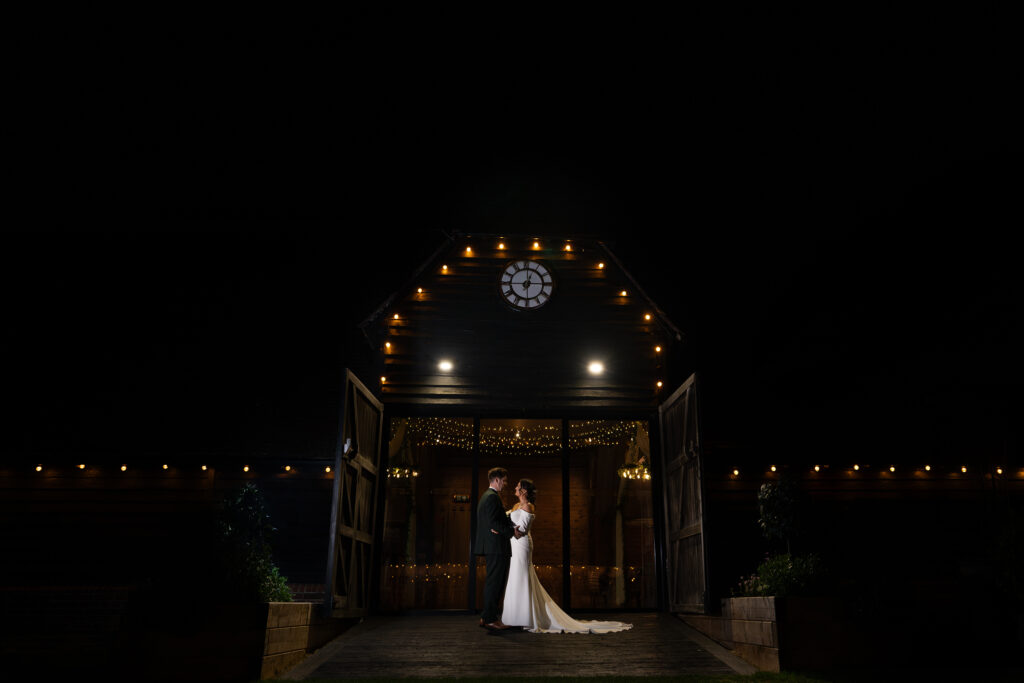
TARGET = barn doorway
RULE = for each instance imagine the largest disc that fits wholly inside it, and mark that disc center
(594, 534)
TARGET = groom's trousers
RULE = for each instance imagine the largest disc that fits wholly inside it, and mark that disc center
(494, 585)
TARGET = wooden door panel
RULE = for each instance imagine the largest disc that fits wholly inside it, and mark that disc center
(357, 486)
(685, 542)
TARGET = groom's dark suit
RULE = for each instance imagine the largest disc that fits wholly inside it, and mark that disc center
(496, 548)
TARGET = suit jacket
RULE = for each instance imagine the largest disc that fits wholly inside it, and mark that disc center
(490, 514)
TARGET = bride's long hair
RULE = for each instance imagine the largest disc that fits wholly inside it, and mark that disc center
(531, 490)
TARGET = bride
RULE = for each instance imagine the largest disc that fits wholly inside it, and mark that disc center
(527, 604)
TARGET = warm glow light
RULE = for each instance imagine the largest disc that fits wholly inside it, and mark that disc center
(469, 250)
(536, 245)
(856, 467)
(245, 469)
(501, 245)
(659, 383)
(999, 470)
(817, 468)
(595, 368)
(964, 468)
(39, 468)
(773, 468)
(204, 468)
(445, 365)
(387, 345)
(600, 265)
(327, 469)
(735, 473)
(622, 293)
(396, 316)
(568, 247)
(124, 468)
(383, 379)
(444, 268)
(81, 467)
(165, 467)
(647, 316)
(287, 468)
(927, 468)
(419, 290)
(892, 469)
(657, 349)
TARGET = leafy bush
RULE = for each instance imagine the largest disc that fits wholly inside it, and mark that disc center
(248, 572)
(783, 575)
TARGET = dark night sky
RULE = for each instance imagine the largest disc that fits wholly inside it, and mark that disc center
(829, 221)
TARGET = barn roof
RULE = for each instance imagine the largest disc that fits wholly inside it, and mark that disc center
(505, 354)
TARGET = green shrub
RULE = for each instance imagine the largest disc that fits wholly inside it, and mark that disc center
(784, 575)
(248, 573)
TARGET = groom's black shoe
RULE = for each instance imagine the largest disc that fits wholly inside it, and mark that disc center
(495, 626)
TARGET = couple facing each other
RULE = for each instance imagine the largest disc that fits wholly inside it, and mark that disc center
(504, 539)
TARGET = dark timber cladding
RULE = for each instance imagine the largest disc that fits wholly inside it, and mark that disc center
(506, 354)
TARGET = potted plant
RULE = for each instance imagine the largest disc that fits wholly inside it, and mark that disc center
(227, 613)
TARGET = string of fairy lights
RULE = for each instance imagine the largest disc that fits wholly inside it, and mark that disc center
(501, 438)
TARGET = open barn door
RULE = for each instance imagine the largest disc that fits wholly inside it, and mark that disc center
(685, 544)
(357, 483)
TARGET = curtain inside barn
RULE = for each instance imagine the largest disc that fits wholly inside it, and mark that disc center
(612, 527)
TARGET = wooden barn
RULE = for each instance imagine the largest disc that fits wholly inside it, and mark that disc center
(542, 355)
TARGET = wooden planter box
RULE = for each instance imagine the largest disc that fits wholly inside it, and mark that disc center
(775, 633)
(226, 642)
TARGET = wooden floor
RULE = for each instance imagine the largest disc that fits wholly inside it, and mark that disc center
(441, 645)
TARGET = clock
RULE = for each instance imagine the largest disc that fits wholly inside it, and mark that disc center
(526, 284)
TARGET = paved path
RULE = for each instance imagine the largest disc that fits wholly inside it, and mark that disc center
(442, 645)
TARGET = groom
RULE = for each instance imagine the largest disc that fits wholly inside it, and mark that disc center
(494, 530)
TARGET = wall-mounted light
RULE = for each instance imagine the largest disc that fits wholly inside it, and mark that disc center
(856, 467)
(124, 468)
(927, 468)
(623, 293)
(396, 316)
(82, 466)
(660, 383)
(735, 473)
(600, 266)
(501, 245)
(287, 468)
(817, 468)
(419, 290)
(165, 467)
(383, 379)
(892, 469)
(444, 268)
(203, 468)
(647, 316)
(445, 366)
(536, 244)
(568, 247)
(245, 468)
(964, 469)
(657, 349)
(39, 468)
(387, 345)
(595, 367)
(327, 469)
(469, 251)
(773, 468)
(999, 470)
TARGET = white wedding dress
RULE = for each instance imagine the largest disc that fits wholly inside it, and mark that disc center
(527, 604)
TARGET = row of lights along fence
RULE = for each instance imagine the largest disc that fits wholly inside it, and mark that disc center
(640, 471)
(594, 367)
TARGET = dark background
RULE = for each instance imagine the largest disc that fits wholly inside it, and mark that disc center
(828, 215)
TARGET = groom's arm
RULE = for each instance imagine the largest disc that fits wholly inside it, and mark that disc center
(500, 522)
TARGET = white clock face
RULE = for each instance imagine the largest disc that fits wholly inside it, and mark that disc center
(526, 284)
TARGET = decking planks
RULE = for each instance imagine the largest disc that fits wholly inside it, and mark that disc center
(453, 645)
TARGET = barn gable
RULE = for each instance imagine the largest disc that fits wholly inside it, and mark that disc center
(458, 337)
